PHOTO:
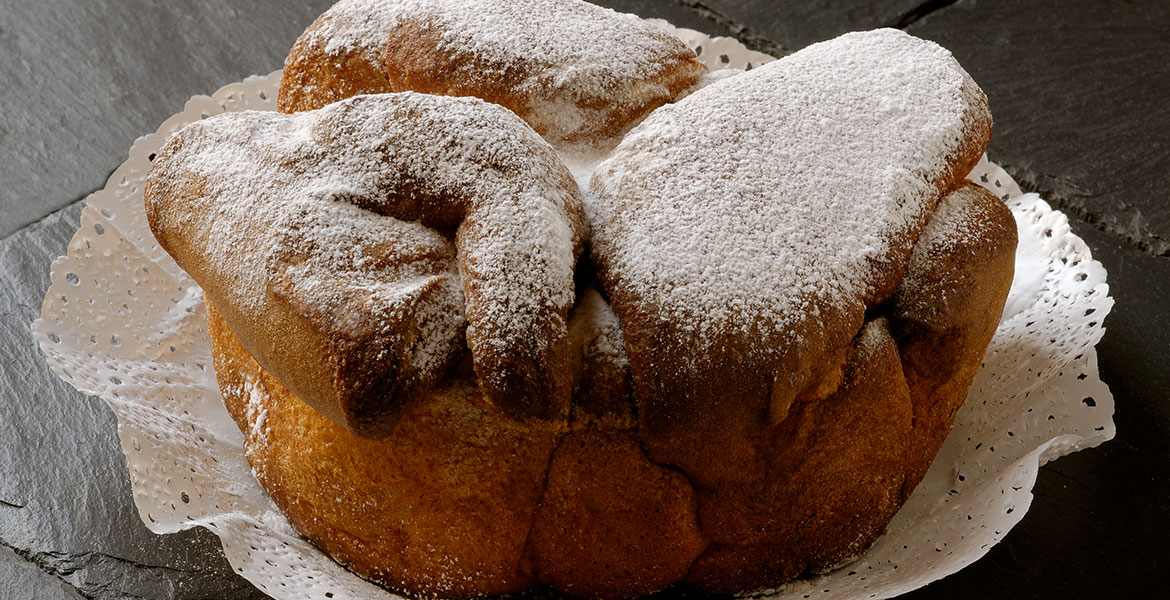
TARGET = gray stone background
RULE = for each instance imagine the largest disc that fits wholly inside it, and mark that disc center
(1079, 91)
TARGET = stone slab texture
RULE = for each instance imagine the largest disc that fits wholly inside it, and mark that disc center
(1078, 89)
(65, 505)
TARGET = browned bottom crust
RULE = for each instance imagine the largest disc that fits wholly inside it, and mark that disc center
(460, 500)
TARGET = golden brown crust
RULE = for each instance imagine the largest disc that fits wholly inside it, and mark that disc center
(611, 524)
(307, 84)
(409, 48)
(947, 309)
(442, 506)
(503, 506)
(826, 480)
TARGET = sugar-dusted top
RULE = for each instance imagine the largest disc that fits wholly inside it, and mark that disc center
(799, 183)
(507, 30)
(334, 216)
(742, 233)
(568, 67)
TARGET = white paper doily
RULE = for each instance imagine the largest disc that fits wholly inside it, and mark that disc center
(122, 321)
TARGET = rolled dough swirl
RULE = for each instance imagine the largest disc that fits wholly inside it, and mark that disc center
(298, 225)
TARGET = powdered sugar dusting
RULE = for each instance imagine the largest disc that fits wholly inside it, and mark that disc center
(575, 63)
(603, 395)
(506, 31)
(317, 209)
(955, 230)
(256, 411)
(337, 255)
(596, 333)
(782, 188)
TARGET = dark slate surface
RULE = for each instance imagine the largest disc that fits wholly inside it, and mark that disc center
(1078, 90)
(1079, 98)
(83, 79)
(24, 579)
(1079, 93)
(65, 504)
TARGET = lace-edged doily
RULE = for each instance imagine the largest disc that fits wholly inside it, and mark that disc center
(122, 321)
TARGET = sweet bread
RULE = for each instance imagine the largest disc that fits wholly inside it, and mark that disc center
(725, 365)
(574, 71)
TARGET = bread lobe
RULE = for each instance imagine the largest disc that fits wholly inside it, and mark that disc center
(743, 232)
(302, 227)
(579, 72)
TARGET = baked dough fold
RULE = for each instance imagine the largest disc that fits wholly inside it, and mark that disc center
(319, 236)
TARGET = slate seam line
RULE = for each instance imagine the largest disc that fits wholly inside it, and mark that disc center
(1150, 244)
(84, 557)
(41, 219)
(746, 35)
(919, 12)
(83, 561)
(30, 558)
(1147, 242)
